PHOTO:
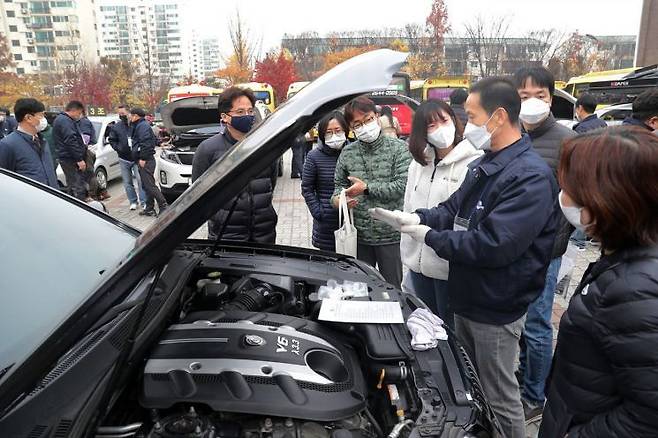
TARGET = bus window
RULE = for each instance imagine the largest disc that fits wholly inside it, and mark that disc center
(440, 93)
(263, 96)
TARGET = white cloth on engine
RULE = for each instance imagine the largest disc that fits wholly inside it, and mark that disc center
(426, 330)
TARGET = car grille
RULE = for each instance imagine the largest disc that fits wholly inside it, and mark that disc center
(185, 157)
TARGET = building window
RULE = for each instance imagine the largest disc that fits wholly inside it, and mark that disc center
(11, 14)
(13, 28)
(20, 71)
(15, 43)
(18, 57)
(30, 49)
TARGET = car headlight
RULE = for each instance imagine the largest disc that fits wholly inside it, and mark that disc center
(170, 156)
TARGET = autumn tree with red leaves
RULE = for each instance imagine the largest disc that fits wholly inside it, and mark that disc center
(91, 86)
(278, 71)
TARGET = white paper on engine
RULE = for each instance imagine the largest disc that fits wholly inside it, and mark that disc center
(366, 312)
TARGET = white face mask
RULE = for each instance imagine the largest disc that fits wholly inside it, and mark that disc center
(336, 141)
(534, 111)
(369, 132)
(478, 136)
(572, 214)
(43, 124)
(2, 119)
(443, 137)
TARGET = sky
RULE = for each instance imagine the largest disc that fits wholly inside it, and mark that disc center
(271, 19)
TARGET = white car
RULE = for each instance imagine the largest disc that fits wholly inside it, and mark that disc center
(189, 121)
(614, 115)
(107, 165)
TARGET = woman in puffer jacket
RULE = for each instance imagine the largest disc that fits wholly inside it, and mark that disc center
(318, 179)
(604, 381)
(441, 159)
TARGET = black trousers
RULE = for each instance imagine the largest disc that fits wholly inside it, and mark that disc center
(153, 193)
(75, 180)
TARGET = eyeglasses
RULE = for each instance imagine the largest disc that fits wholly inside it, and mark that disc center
(359, 125)
(241, 112)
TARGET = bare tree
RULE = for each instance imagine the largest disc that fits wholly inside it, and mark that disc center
(246, 46)
(544, 44)
(486, 42)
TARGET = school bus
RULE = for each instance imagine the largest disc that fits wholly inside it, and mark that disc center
(295, 87)
(416, 90)
(442, 88)
(191, 91)
(263, 91)
(614, 86)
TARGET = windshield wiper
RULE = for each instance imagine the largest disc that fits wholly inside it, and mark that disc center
(5, 369)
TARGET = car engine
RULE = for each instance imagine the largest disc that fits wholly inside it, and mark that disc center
(247, 357)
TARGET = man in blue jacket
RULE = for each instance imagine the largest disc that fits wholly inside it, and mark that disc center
(118, 138)
(8, 124)
(71, 149)
(587, 120)
(142, 142)
(497, 232)
(25, 151)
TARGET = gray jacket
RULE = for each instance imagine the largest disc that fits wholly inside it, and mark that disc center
(547, 141)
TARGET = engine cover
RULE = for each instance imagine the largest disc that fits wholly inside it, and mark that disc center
(256, 363)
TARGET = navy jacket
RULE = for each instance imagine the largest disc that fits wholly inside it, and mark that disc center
(254, 218)
(118, 139)
(632, 121)
(8, 126)
(317, 189)
(589, 123)
(68, 139)
(143, 139)
(498, 265)
(87, 128)
(603, 381)
(20, 154)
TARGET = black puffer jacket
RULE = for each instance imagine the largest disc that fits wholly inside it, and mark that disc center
(317, 188)
(254, 218)
(604, 381)
(547, 141)
(143, 140)
(68, 139)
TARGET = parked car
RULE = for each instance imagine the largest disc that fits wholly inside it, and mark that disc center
(615, 114)
(563, 108)
(107, 167)
(122, 334)
(189, 121)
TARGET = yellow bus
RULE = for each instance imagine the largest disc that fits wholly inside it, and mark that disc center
(441, 88)
(416, 90)
(263, 91)
(614, 86)
(295, 87)
(578, 84)
(191, 91)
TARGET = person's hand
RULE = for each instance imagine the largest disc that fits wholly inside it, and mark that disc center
(352, 202)
(416, 232)
(395, 219)
(357, 188)
(142, 163)
(82, 165)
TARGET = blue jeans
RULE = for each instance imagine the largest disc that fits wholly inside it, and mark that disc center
(536, 358)
(128, 172)
(434, 293)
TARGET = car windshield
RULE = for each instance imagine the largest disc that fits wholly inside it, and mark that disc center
(55, 255)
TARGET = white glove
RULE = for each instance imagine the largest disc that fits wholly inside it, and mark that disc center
(395, 219)
(416, 232)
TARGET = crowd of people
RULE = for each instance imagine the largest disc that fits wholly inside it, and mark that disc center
(476, 209)
(34, 148)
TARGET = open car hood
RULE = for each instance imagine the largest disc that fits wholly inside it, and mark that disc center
(190, 113)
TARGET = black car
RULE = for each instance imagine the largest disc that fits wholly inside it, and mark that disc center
(109, 332)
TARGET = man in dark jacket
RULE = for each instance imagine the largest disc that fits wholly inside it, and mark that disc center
(90, 137)
(645, 111)
(118, 138)
(25, 151)
(250, 216)
(71, 149)
(142, 142)
(457, 99)
(8, 124)
(588, 121)
(536, 86)
(497, 231)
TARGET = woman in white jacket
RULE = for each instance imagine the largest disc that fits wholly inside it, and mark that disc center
(441, 157)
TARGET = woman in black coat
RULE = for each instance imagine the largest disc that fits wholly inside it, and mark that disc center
(604, 381)
(318, 179)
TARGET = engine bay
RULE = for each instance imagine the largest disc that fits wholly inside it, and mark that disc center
(245, 356)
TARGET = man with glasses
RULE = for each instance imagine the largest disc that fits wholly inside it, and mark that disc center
(250, 216)
(373, 170)
(25, 151)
